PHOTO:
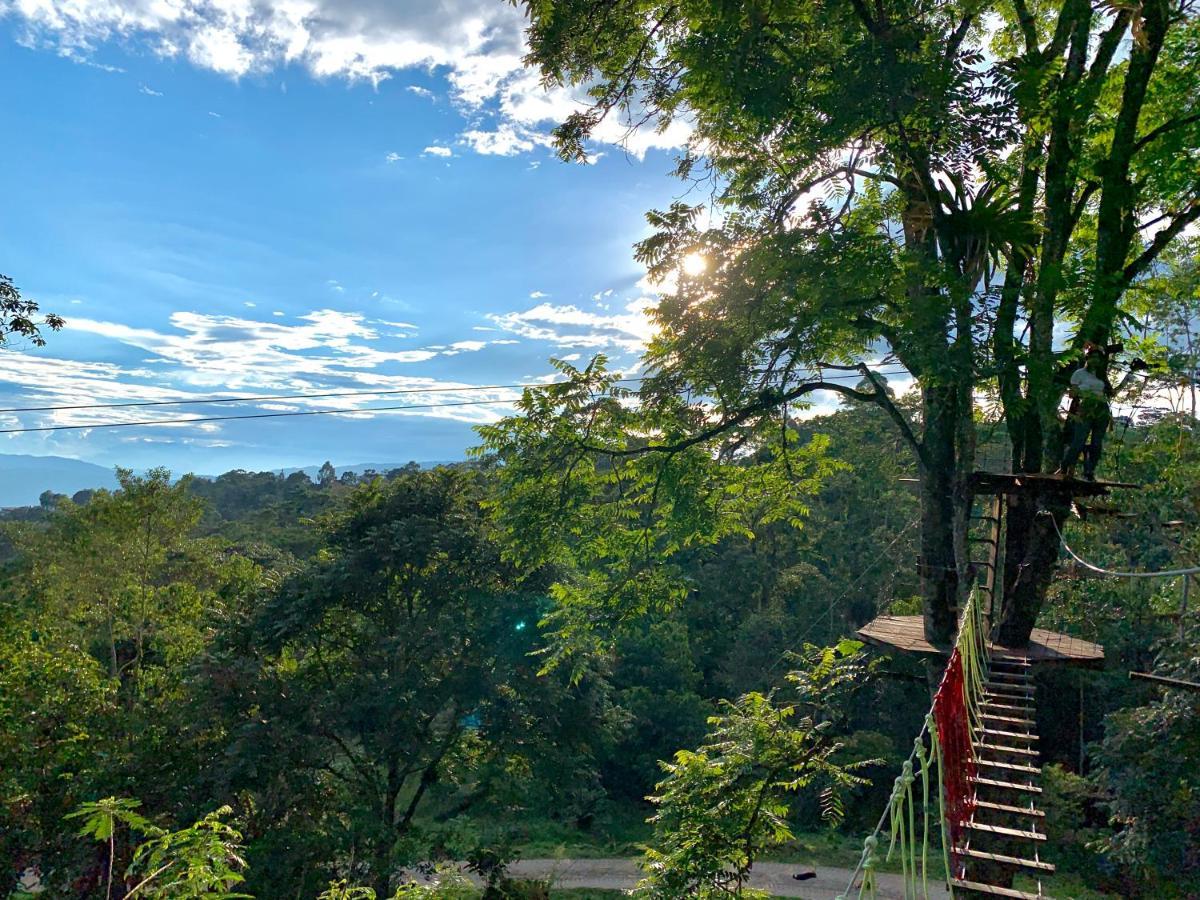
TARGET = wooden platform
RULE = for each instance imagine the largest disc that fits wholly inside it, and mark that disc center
(1035, 483)
(907, 633)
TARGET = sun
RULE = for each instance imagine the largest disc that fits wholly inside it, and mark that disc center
(694, 264)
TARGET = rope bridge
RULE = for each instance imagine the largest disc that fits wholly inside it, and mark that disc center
(942, 765)
(958, 784)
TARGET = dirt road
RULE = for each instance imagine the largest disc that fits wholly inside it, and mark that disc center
(622, 874)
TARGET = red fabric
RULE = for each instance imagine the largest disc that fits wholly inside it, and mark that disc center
(958, 758)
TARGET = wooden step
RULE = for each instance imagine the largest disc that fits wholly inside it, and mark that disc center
(1001, 748)
(1006, 785)
(1004, 688)
(1014, 704)
(1022, 677)
(1009, 767)
(994, 696)
(1012, 735)
(1019, 661)
(1025, 707)
(1006, 832)
(1012, 810)
(1035, 865)
(988, 701)
(994, 890)
(1008, 719)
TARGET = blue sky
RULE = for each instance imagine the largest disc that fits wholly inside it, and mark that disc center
(237, 197)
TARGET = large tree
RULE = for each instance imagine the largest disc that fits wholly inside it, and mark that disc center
(397, 673)
(969, 187)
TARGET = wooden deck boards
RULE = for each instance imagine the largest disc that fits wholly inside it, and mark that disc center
(907, 633)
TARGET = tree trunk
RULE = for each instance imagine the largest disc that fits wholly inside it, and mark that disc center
(387, 833)
(939, 569)
(1031, 547)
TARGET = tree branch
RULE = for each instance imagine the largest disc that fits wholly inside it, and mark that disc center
(1155, 133)
(1160, 242)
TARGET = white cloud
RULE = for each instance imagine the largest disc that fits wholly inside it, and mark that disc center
(215, 115)
(335, 285)
(149, 91)
(537, 295)
(504, 141)
(435, 150)
(477, 44)
(250, 303)
(570, 326)
(393, 157)
(205, 355)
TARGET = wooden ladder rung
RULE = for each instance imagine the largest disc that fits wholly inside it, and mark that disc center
(1006, 832)
(1010, 658)
(1013, 676)
(1009, 719)
(1006, 785)
(1009, 707)
(1001, 748)
(1013, 690)
(1013, 735)
(1026, 703)
(994, 889)
(1013, 810)
(1035, 864)
(1009, 767)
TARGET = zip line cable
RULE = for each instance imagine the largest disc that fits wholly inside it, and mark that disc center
(323, 396)
(272, 415)
(1166, 573)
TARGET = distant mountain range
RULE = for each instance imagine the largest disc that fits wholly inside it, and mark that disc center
(24, 478)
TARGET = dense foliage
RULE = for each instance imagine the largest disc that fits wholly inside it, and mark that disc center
(357, 686)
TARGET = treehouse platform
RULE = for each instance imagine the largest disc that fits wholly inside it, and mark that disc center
(907, 634)
(1037, 483)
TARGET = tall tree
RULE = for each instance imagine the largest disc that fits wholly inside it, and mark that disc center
(398, 668)
(950, 183)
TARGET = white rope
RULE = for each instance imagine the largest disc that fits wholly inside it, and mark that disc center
(1166, 573)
